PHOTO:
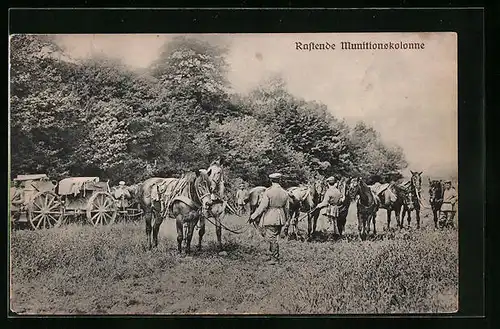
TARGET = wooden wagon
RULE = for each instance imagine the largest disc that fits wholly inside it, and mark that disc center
(41, 206)
(88, 197)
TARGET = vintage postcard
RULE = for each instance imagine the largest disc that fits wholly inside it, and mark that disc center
(305, 173)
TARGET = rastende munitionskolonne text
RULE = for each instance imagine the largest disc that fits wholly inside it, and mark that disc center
(365, 45)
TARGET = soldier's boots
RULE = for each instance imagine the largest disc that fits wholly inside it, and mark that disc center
(275, 253)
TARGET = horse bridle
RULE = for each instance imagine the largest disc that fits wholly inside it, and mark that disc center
(201, 197)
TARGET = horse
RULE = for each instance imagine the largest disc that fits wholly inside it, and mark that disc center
(300, 199)
(241, 199)
(190, 206)
(436, 191)
(367, 206)
(392, 198)
(253, 200)
(149, 197)
(413, 200)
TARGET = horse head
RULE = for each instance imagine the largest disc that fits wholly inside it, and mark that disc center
(416, 180)
(202, 189)
(435, 190)
(354, 187)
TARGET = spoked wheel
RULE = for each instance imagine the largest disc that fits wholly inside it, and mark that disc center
(101, 209)
(45, 210)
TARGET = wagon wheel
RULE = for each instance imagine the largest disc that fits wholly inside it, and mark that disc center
(101, 209)
(45, 210)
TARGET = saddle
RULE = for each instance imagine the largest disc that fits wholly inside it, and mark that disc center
(378, 189)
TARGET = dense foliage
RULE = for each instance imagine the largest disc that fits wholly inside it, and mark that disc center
(98, 117)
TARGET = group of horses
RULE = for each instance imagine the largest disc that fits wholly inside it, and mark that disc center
(191, 202)
(402, 199)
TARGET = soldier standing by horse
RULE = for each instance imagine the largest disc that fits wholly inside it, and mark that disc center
(274, 210)
(333, 200)
(448, 206)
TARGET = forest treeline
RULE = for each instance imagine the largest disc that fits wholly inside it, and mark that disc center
(98, 117)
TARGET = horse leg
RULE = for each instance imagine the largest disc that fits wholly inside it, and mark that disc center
(310, 231)
(201, 232)
(218, 231)
(417, 216)
(315, 216)
(388, 218)
(397, 213)
(360, 225)
(435, 215)
(147, 217)
(189, 238)
(180, 232)
(374, 223)
(156, 228)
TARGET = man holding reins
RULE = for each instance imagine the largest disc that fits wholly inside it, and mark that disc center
(333, 200)
(274, 210)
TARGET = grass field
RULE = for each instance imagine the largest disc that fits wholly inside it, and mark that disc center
(79, 269)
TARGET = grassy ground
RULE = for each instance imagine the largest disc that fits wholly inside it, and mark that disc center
(79, 269)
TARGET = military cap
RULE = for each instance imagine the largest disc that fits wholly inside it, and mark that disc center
(275, 175)
(447, 181)
(122, 183)
(331, 179)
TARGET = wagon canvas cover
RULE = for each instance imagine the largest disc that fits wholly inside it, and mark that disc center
(74, 185)
(30, 177)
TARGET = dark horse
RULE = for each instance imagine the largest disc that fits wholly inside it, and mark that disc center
(367, 206)
(436, 191)
(413, 199)
(392, 199)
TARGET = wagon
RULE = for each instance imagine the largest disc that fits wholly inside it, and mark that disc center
(41, 206)
(127, 209)
(88, 197)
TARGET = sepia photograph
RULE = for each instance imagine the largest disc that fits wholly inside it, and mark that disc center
(290, 173)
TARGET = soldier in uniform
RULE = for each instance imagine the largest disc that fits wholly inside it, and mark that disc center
(333, 200)
(274, 210)
(241, 196)
(122, 195)
(217, 178)
(16, 199)
(449, 201)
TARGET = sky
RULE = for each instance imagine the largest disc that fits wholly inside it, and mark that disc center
(409, 96)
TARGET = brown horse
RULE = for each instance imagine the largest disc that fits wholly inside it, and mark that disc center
(367, 206)
(189, 207)
(413, 198)
(301, 199)
(149, 197)
(253, 199)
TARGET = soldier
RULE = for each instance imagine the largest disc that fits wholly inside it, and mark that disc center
(217, 178)
(16, 199)
(448, 207)
(122, 195)
(274, 207)
(333, 199)
(241, 196)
